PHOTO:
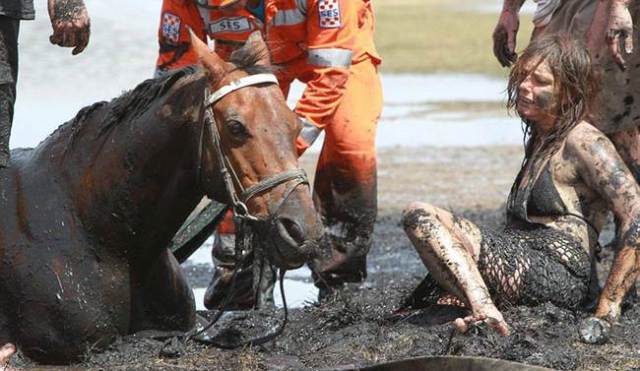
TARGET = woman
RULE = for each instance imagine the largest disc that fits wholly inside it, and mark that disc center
(570, 178)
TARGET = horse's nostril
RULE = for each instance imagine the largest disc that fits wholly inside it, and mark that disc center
(293, 229)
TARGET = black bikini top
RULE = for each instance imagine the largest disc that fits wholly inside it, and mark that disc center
(536, 198)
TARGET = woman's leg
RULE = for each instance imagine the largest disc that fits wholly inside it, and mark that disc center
(449, 247)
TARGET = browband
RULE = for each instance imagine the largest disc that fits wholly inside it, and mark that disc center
(243, 82)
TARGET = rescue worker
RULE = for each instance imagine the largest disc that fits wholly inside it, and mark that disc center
(70, 22)
(328, 45)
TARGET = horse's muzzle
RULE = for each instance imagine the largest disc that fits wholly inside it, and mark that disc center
(291, 246)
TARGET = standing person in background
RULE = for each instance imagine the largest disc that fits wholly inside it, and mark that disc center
(70, 22)
(328, 45)
(607, 29)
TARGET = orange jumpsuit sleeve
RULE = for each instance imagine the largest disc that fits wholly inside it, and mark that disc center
(173, 34)
(331, 30)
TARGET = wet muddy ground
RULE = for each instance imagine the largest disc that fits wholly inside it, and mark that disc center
(355, 329)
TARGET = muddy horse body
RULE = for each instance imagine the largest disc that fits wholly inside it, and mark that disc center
(84, 215)
(87, 214)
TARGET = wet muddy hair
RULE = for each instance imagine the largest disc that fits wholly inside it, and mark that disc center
(577, 85)
(573, 71)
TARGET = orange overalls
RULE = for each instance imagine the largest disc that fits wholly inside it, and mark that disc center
(328, 45)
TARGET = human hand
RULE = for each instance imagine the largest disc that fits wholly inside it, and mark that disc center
(504, 38)
(71, 24)
(498, 324)
(619, 32)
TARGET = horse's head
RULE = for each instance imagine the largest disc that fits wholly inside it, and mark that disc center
(252, 136)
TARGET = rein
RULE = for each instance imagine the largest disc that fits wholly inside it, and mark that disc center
(243, 218)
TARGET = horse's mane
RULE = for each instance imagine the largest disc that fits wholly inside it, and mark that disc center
(133, 103)
(125, 108)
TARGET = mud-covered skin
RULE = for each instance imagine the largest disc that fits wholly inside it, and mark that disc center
(450, 247)
(71, 24)
(619, 30)
(588, 175)
(611, 26)
(504, 34)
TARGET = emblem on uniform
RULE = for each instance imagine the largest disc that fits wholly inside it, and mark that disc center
(171, 28)
(329, 11)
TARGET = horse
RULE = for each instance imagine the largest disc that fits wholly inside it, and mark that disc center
(87, 215)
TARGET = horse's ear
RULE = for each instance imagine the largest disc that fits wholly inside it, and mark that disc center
(256, 42)
(210, 60)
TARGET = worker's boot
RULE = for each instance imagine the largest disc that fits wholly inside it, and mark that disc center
(253, 272)
(340, 262)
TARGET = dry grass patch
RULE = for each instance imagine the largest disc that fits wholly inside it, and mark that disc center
(434, 36)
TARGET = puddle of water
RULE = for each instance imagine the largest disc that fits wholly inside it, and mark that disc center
(298, 294)
(298, 288)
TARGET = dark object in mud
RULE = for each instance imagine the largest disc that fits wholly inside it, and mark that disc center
(172, 348)
(453, 364)
(594, 330)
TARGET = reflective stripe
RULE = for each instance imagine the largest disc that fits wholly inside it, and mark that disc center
(288, 17)
(302, 6)
(309, 132)
(330, 57)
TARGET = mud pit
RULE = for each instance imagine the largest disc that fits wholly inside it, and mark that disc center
(354, 329)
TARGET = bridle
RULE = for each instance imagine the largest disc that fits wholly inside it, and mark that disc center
(245, 221)
(230, 177)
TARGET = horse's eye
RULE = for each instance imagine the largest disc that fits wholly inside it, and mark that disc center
(237, 129)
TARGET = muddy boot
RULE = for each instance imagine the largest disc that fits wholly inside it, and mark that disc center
(254, 283)
(217, 294)
(340, 262)
(264, 279)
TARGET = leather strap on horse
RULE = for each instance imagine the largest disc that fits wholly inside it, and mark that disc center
(242, 215)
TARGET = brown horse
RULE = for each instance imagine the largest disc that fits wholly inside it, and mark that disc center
(87, 214)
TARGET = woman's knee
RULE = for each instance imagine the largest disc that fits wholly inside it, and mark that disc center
(417, 215)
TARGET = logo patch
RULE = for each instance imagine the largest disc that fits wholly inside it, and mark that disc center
(238, 24)
(171, 28)
(329, 11)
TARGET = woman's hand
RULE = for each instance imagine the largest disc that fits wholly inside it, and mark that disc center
(71, 24)
(494, 320)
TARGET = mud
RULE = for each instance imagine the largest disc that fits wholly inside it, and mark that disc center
(356, 329)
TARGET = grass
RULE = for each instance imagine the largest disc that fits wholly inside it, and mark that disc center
(430, 36)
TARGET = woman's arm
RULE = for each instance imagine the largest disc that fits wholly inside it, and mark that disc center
(600, 166)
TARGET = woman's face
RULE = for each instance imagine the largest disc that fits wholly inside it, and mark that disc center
(537, 95)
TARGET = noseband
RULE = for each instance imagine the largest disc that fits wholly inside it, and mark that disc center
(239, 202)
